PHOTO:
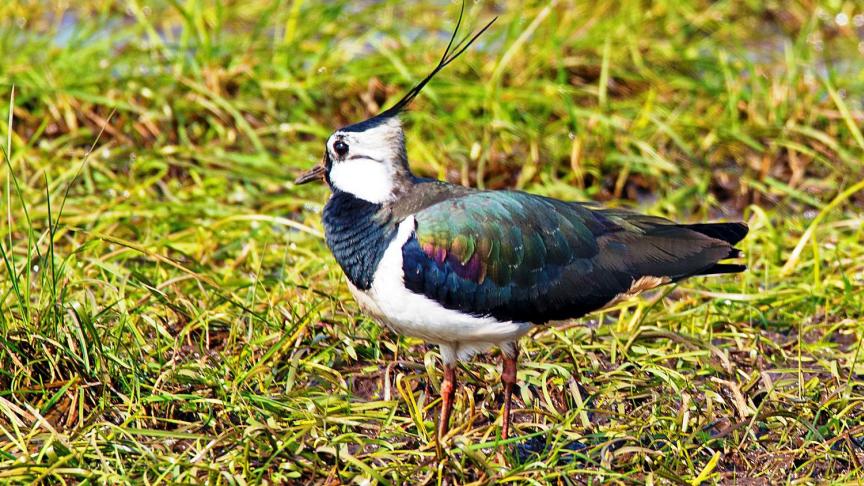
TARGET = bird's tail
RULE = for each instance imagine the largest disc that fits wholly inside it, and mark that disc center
(731, 233)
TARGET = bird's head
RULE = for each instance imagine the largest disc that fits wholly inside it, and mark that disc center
(368, 159)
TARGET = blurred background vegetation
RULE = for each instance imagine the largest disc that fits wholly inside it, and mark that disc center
(169, 313)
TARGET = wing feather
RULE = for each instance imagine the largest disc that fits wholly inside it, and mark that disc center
(521, 257)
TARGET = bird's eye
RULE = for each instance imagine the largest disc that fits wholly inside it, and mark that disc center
(340, 147)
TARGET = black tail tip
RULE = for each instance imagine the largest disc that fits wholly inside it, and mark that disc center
(731, 233)
(719, 268)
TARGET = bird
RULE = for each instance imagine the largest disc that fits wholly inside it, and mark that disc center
(470, 269)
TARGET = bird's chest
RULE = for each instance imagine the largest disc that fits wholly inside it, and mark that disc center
(385, 297)
(379, 289)
(358, 233)
(367, 245)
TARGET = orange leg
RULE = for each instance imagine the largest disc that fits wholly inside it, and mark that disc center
(448, 391)
(508, 378)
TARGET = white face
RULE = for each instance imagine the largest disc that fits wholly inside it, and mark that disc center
(365, 163)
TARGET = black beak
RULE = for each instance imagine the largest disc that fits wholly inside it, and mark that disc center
(315, 173)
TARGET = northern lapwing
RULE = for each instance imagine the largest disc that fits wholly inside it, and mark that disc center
(470, 269)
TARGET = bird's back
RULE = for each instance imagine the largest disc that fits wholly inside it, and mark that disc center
(522, 257)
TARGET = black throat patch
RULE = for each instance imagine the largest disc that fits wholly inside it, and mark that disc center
(357, 232)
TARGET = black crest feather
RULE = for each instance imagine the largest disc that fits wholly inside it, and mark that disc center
(452, 52)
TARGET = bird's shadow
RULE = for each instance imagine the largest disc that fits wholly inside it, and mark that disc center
(538, 448)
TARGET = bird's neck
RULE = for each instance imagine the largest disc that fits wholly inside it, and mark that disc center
(377, 181)
(357, 232)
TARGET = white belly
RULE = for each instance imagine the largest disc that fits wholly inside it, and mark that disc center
(416, 315)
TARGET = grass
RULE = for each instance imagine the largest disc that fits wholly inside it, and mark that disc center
(169, 312)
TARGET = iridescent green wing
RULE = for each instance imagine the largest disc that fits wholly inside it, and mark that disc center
(517, 256)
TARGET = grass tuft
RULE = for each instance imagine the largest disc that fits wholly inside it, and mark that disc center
(169, 312)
